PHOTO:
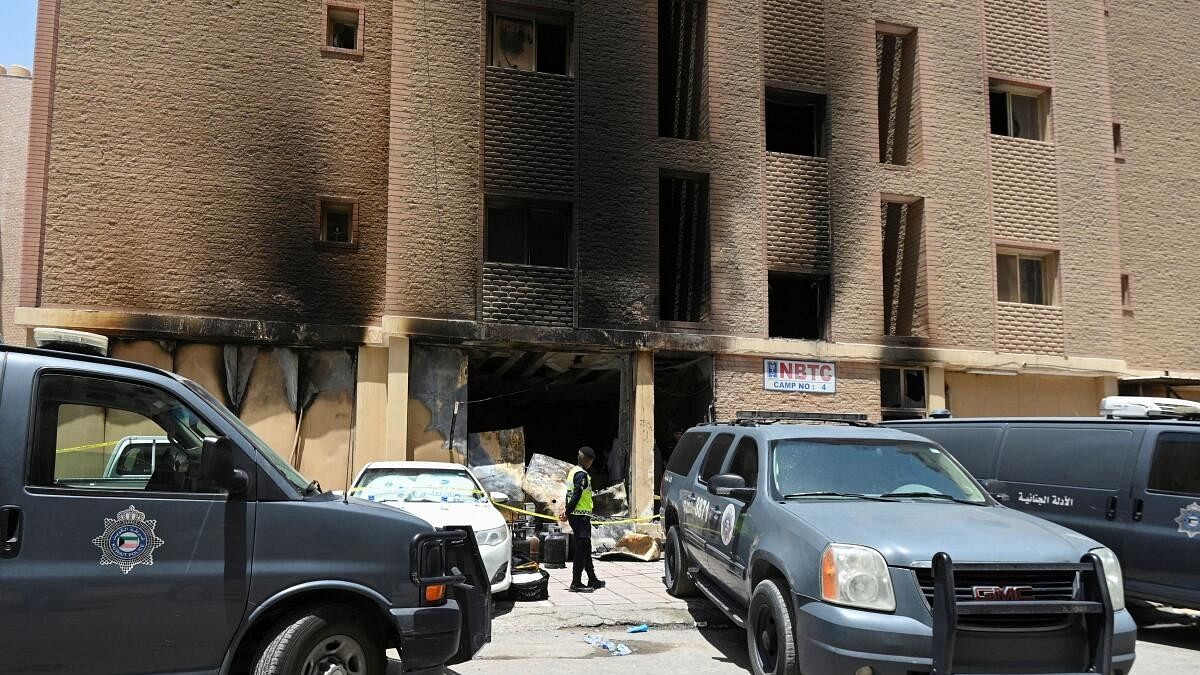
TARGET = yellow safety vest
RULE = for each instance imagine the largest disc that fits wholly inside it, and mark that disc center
(584, 506)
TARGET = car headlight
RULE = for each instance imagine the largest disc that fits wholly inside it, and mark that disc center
(856, 576)
(492, 537)
(1112, 575)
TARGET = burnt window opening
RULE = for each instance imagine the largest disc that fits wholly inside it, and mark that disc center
(904, 295)
(902, 394)
(531, 43)
(683, 243)
(1126, 292)
(338, 220)
(343, 27)
(795, 122)
(680, 68)
(1118, 147)
(535, 233)
(1019, 112)
(896, 71)
(798, 306)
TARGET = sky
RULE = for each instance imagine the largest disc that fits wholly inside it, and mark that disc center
(17, 19)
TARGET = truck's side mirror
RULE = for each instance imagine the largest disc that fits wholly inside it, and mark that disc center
(216, 466)
(730, 485)
(499, 497)
(997, 489)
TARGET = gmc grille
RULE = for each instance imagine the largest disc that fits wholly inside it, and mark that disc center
(1046, 585)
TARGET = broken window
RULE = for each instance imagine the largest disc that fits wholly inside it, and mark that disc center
(1020, 112)
(680, 68)
(795, 122)
(683, 248)
(904, 300)
(902, 393)
(528, 43)
(1024, 278)
(338, 220)
(798, 305)
(535, 233)
(343, 27)
(895, 71)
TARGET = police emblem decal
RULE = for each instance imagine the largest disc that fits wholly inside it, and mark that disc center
(128, 540)
(727, 519)
(1189, 520)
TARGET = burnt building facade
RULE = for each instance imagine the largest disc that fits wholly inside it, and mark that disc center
(380, 228)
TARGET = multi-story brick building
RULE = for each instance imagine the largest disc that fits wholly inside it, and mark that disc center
(376, 227)
(15, 85)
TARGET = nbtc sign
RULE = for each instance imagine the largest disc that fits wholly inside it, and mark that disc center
(814, 377)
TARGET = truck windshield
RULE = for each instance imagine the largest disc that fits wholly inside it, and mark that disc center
(870, 469)
(289, 472)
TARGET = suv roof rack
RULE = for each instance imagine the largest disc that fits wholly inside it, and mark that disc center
(755, 417)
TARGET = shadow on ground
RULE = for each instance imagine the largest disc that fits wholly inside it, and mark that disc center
(1166, 626)
(720, 632)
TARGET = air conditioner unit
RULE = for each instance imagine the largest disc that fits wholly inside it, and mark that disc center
(1145, 407)
(75, 341)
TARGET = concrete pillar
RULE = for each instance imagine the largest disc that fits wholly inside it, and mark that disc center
(935, 388)
(396, 424)
(370, 408)
(641, 485)
(1105, 386)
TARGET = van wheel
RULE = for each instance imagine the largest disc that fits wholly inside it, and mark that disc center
(769, 635)
(326, 640)
(675, 566)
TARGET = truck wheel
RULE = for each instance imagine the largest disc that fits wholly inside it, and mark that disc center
(675, 566)
(326, 640)
(769, 635)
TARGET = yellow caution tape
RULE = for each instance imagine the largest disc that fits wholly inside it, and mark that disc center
(81, 448)
(623, 521)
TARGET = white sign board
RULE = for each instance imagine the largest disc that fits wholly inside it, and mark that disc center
(814, 377)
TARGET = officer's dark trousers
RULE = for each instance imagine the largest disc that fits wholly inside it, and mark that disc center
(581, 544)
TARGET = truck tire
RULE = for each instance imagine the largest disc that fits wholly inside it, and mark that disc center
(675, 566)
(313, 641)
(770, 637)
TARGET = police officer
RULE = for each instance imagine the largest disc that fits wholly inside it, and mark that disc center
(579, 514)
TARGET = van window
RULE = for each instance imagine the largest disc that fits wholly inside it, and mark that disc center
(87, 430)
(973, 447)
(1176, 467)
(1069, 457)
(685, 452)
(715, 458)
(745, 461)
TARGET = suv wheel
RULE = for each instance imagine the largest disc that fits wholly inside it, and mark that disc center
(769, 635)
(326, 640)
(675, 566)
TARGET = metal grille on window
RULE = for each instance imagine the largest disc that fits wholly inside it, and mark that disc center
(680, 66)
(683, 249)
(904, 305)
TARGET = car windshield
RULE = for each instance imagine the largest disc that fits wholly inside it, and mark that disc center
(454, 486)
(294, 477)
(870, 468)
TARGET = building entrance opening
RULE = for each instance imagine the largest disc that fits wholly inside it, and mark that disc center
(683, 397)
(559, 401)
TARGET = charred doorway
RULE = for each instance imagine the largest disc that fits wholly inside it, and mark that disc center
(683, 396)
(559, 400)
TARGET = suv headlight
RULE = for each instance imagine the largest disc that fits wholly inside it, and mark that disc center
(492, 537)
(1112, 575)
(856, 576)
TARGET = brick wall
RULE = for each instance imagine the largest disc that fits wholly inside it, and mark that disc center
(529, 132)
(1024, 190)
(793, 42)
(523, 294)
(1018, 38)
(797, 213)
(739, 386)
(190, 142)
(14, 144)
(1033, 329)
(1151, 47)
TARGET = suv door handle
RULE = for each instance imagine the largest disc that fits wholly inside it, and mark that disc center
(1111, 511)
(1138, 505)
(10, 530)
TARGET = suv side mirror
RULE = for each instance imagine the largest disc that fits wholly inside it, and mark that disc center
(499, 497)
(216, 466)
(997, 489)
(730, 485)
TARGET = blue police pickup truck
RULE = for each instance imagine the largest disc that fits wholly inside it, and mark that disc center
(219, 559)
(846, 548)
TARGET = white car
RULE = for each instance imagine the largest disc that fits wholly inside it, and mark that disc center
(443, 494)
